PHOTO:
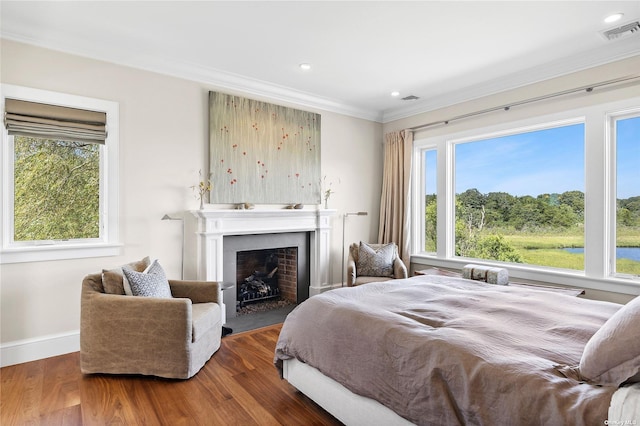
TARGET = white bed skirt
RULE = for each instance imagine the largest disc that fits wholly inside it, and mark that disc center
(356, 410)
(625, 406)
(346, 406)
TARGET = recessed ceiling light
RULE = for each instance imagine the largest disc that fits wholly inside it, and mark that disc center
(305, 66)
(395, 93)
(613, 18)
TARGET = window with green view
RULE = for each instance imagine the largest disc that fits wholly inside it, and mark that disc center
(627, 143)
(520, 197)
(56, 190)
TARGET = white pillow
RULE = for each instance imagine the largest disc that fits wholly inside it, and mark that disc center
(612, 355)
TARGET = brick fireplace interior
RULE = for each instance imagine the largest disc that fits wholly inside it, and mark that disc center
(244, 255)
(274, 272)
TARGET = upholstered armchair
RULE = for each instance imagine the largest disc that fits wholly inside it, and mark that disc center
(172, 337)
(373, 263)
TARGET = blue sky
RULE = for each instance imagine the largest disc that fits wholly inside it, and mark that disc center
(534, 163)
(628, 158)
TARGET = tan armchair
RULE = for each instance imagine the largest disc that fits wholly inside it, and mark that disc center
(354, 276)
(170, 338)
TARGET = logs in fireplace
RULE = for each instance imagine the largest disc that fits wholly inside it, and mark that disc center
(258, 286)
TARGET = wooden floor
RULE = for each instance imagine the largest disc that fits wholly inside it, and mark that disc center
(238, 386)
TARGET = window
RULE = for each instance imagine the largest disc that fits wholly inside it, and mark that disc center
(59, 176)
(431, 200)
(520, 197)
(626, 139)
(552, 198)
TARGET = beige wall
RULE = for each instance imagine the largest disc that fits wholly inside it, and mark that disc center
(163, 144)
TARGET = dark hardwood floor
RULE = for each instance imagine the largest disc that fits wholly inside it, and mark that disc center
(238, 386)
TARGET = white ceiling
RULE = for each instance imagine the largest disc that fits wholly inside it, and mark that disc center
(440, 51)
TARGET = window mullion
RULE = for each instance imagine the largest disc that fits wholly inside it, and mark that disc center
(446, 192)
(8, 190)
(597, 187)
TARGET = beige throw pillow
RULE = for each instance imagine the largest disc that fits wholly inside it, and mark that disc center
(113, 281)
(376, 262)
(612, 355)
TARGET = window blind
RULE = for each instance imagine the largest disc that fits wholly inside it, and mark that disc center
(54, 122)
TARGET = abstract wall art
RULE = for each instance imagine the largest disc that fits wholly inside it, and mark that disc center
(262, 153)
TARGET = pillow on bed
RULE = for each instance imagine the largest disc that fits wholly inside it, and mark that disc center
(376, 262)
(612, 355)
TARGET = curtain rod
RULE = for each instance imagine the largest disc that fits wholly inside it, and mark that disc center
(508, 106)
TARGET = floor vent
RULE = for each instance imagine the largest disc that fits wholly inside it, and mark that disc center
(622, 31)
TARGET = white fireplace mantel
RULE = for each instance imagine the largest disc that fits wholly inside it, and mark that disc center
(205, 231)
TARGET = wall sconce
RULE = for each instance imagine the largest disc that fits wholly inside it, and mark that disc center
(344, 220)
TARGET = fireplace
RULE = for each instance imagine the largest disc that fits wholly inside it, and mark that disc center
(212, 238)
(244, 255)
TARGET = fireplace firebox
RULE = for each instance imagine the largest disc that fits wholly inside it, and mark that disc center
(267, 266)
(266, 274)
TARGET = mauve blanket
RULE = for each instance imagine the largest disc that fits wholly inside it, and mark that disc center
(443, 350)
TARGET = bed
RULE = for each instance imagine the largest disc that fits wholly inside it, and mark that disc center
(444, 350)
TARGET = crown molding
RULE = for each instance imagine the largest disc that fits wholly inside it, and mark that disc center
(616, 51)
(205, 75)
(610, 52)
(255, 87)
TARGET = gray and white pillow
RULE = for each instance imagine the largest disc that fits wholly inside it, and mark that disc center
(150, 283)
(376, 261)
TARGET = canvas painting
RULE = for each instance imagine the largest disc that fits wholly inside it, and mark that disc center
(262, 153)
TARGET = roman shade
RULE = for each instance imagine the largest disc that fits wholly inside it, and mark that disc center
(54, 122)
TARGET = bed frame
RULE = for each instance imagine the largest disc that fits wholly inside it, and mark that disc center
(356, 410)
(346, 406)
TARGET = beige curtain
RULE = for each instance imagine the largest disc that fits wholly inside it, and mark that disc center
(394, 202)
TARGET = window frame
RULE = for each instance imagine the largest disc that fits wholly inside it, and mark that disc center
(612, 213)
(108, 242)
(520, 130)
(599, 197)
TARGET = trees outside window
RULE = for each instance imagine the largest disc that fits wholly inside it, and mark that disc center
(520, 197)
(56, 190)
(627, 144)
(431, 200)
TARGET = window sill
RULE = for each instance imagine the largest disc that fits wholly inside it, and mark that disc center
(560, 277)
(57, 252)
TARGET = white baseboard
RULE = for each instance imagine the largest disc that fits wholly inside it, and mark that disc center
(27, 350)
